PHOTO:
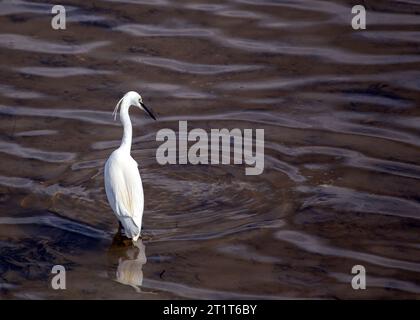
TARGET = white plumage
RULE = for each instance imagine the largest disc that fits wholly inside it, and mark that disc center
(123, 184)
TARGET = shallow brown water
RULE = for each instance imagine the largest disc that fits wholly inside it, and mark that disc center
(340, 110)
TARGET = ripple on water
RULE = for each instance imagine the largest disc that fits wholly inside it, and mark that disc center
(26, 43)
(315, 245)
(84, 115)
(58, 223)
(61, 72)
(344, 199)
(32, 153)
(194, 68)
(377, 282)
(19, 6)
(15, 93)
(338, 108)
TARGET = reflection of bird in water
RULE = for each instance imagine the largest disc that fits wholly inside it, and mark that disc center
(130, 264)
(123, 185)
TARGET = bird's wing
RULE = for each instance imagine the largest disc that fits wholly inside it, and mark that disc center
(126, 188)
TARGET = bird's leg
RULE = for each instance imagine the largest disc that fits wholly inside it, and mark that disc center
(121, 230)
(121, 237)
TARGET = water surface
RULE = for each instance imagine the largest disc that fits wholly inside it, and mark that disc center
(340, 110)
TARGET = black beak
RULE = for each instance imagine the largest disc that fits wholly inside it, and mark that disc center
(150, 113)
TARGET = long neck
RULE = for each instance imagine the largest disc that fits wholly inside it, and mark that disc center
(128, 130)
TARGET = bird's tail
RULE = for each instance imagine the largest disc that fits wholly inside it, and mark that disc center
(131, 229)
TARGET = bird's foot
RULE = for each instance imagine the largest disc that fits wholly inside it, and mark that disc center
(121, 240)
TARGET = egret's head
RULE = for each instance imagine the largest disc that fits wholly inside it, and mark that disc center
(132, 98)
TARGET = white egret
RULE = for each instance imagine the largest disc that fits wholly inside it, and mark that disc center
(123, 185)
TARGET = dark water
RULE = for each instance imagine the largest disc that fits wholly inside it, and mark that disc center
(340, 110)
